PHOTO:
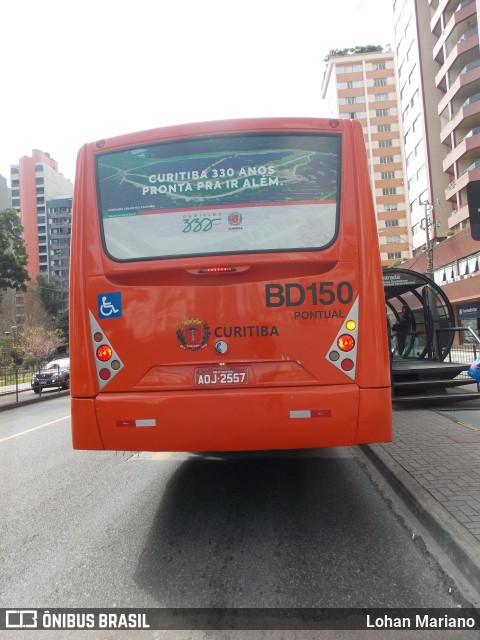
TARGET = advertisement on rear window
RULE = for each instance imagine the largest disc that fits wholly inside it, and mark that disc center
(219, 195)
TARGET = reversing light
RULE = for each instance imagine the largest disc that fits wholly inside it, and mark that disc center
(345, 342)
(104, 353)
(351, 325)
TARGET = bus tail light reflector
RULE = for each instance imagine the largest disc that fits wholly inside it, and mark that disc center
(343, 351)
(107, 362)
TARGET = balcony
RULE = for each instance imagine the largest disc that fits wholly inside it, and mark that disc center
(453, 28)
(467, 116)
(466, 46)
(468, 148)
(470, 174)
(466, 84)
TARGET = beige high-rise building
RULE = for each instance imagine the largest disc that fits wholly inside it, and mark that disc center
(362, 86)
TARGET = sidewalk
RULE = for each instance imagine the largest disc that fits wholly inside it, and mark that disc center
(29, 397)
(434, 464)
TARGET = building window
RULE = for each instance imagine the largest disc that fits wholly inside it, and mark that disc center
(352, 100)
(382, 113)
(379, 66)
(394, 255)
(380, 82)
(349, 85)
(388, 175)
(389, 191)
(386, 159)
(382, 128)
(383, 144)
(381, 97)
(392, 223)
(393, 239)
(391, 206)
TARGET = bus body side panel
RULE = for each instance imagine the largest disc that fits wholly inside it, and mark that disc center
(374, 346)
(85, 430)
(374, 416)
(84, 261)
(222, 421)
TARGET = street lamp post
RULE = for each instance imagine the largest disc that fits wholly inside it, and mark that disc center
(14, 342)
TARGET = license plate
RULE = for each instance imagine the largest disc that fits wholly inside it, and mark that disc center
(211, 377)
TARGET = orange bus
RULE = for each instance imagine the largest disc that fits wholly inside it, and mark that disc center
(226, 290)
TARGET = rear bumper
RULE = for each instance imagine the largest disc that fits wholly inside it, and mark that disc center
(253, 419)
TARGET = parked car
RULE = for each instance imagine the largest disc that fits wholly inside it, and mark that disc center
(54, 374)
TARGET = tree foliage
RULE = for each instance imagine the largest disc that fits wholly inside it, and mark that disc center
(37, 344)
(352, 51)
(50, 294)
(13, 254)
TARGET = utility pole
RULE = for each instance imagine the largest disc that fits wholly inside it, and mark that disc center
(428, 241)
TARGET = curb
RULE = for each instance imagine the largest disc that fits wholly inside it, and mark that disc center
(462, 548)
(34, 400)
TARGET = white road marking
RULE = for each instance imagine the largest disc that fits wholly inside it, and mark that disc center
(40, 426)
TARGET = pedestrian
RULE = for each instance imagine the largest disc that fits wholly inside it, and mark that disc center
(403, 328)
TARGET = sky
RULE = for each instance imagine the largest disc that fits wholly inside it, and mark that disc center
(73, 73)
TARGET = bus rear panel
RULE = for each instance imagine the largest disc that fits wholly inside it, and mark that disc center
(226, 290)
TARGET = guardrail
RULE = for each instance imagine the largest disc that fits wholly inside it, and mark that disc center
(15, 380)
(465, 353)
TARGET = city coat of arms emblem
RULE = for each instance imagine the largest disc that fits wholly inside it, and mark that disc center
(193, 334)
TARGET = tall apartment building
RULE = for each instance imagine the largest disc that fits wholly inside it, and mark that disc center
(447, 37)
(362, 86)
(457, 56)
(5, 195)
(34, 182)
(419, 98)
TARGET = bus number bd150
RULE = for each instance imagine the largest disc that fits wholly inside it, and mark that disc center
(295, 295)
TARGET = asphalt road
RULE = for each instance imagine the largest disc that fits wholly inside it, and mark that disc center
(103, 529)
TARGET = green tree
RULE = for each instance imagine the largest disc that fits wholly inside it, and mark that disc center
(54, 300)
(36, 344)
(13, 254)
(50, 294)
(352, 50)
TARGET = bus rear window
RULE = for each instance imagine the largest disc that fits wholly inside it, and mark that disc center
(220, 195)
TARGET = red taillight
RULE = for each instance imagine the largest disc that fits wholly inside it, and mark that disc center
(217, 270)
(345, 342)
(347, 364)
(104, 352)
(104, 374)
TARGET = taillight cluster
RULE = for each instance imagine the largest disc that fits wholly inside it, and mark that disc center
(343, 352)
(107, 362)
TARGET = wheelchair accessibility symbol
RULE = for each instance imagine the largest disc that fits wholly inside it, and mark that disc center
(110, 305)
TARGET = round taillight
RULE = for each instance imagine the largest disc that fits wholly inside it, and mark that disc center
(104, 374)
(347, 364)
(346, 342)
(104, 352)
